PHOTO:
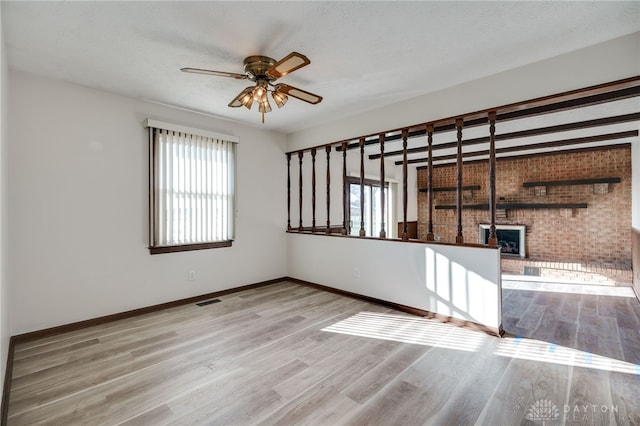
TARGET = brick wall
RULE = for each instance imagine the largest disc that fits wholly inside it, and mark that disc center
(599, 233)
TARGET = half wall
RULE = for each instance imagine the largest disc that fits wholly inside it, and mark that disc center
(462, 282)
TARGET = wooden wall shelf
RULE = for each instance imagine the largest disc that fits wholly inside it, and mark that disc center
(572, 182)
(452, 188)
(519, 206)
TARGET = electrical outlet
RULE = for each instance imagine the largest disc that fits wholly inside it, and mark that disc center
(356, 272)
(192, 275)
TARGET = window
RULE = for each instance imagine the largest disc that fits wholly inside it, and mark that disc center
(192, 188)
(372, 213)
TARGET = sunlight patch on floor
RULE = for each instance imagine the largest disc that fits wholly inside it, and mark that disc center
(415, 330)
(540, 351)
(428, 332)
(595, 290)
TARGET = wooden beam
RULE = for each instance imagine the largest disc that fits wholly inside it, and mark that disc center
(493, 238)
(552, 107)
(289, 191)
(445, 127)
(383, 233)
(572, 182)
(592, 95)
(542, 145)
(300, 154)
(448, 188)
(618, 119)
(345, 188)
(430, 235)
(567, 103)
(539, 154)
(459, 237)
(313, 190)
(516, 206)
(405, 231)
(328, 150)
(362, 230)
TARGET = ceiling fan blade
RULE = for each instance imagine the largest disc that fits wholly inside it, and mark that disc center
(303, 95)
(237, 101)
(288, 64)
(216, 73)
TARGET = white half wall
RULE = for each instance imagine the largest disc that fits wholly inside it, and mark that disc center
(457, 281)
(78, 206)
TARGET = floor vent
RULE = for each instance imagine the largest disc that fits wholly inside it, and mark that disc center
(208, 302)
(532, 270)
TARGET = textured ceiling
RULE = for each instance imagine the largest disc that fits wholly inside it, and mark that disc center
(363, 54)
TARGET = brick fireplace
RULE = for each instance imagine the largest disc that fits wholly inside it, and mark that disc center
(575, 206)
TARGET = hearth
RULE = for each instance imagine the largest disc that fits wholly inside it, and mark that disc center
(511, 238)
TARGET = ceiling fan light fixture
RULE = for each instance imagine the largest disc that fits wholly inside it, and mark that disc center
(247, 100)
(264, 106)
(279, 98)
(264, 71)
(258, 94)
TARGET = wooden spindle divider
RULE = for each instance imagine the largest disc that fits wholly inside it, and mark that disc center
(313, 190)
(289, 191)
(300, 154)
(362, 230)
(345, 188)
(328, 150)
(493, 238)
(383, 232)
(459, 237)
(405, 229)
(430, 235)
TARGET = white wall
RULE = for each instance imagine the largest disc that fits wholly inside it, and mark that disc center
(78, 203)
(5, 329)
(461, 282)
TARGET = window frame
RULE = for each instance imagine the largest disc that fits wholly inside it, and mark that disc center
(151, 125)
(370, 183)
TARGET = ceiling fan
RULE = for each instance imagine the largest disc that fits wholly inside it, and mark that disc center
(264, 71)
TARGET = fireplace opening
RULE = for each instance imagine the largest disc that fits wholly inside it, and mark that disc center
(511, 238)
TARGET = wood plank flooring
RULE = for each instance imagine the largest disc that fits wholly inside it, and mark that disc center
(290, 354)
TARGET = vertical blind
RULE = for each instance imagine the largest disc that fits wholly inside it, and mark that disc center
(193, 188)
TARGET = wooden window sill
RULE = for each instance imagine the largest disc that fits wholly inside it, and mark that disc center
(189, 247)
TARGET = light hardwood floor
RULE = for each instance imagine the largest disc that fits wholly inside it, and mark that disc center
(290, 354)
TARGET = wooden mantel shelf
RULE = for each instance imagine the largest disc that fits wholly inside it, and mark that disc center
(572, 182)
(452, 188)
(519, 206)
